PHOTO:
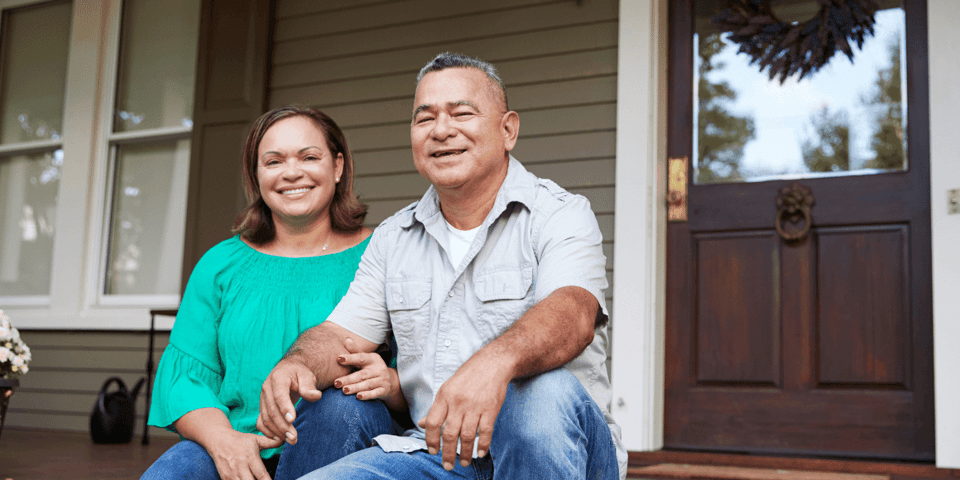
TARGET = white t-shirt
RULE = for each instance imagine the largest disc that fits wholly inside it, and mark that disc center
(460, 241)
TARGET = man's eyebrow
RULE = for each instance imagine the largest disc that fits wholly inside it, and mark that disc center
(420, 109)
(456, 103)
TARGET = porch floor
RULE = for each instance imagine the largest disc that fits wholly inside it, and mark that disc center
(28, 454)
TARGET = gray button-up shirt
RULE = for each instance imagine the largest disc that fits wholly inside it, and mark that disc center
(537, 238)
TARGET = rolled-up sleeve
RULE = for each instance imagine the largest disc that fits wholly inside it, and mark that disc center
(363, 309)
(570, 251)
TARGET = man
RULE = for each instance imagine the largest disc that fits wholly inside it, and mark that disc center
(493, 286)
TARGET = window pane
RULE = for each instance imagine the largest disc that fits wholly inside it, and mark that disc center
(147, 219)
(28, 208)
(34, 51)
(158, 51)
(847, 118)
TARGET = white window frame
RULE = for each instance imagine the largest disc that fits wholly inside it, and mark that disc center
(84, 201)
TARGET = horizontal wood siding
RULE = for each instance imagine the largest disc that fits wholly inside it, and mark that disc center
(67, 371)
(358, 61)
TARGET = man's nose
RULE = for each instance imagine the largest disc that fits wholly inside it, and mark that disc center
(443, 127)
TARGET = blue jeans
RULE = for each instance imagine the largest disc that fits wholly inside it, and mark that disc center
(548, 427)
(332, 428)
(187, 459)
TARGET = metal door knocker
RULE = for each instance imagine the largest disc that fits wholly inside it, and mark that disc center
(793, 204)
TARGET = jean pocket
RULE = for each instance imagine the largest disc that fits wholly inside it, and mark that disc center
(408, 302)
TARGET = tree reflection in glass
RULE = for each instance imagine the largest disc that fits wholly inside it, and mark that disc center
(847, 118)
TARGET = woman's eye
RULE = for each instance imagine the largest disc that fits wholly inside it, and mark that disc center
(311, 158)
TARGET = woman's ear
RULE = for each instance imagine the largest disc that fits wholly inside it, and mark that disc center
(338, 167)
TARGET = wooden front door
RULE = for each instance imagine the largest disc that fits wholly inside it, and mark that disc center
(820, 345)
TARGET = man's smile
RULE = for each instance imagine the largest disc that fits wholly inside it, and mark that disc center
(447, 153)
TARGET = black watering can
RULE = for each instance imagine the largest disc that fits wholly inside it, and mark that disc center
(114, 412)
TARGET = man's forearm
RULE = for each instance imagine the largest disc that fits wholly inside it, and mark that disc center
(318, 349)
(551, 334)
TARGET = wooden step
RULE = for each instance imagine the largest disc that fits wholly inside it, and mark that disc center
(712, 472)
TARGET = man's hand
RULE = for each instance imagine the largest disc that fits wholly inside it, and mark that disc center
(466, 405)
(288, 381)
(237, 455)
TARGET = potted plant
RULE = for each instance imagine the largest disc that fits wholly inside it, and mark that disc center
(14, 362)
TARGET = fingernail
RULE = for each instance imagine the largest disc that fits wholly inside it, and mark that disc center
(464, 463)
(433, 451)
(290, 436)
(289, 417)
(481, 453)
(341, 359)
(337, 383)
(447, 466)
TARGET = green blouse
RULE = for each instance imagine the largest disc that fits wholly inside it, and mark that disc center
(241, 311)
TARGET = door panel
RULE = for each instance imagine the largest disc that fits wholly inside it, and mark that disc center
(814, 347)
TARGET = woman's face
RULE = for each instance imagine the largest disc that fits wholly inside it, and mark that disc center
(296, 171)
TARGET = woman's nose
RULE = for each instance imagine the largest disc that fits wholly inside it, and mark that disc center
(292, 170)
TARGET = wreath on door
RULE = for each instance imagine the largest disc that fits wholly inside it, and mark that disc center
(796, 48)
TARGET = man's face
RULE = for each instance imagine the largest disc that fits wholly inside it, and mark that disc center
(459, 133)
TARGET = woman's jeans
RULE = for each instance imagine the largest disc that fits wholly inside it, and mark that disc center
(548, 427)
(187, 459)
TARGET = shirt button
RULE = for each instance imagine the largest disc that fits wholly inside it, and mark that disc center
(406, 448)
(450, 294)
(401, 299)
(447, 343)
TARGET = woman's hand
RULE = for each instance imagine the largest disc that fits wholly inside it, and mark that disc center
(373, 379)
(237, 455)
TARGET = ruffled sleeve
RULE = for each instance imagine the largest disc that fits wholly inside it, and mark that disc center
(190, 373)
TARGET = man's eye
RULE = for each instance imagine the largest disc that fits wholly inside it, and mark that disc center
(424, 119)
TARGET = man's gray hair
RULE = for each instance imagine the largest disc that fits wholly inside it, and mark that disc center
(457, 60)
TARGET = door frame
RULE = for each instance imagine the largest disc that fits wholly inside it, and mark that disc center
(639, 267)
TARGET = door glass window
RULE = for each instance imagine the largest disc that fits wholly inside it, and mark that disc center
(759, 118)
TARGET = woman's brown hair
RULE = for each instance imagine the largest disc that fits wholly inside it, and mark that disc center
(255, 222)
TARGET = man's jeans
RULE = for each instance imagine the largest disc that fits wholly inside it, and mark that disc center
(548, 427)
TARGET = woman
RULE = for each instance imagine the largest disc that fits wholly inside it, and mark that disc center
(298, 246)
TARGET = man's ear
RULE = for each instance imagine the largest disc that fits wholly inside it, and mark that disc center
(510, 127)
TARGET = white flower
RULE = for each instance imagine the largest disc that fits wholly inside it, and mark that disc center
(14, 354)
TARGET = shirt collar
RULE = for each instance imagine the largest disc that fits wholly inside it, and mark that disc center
(518, 186)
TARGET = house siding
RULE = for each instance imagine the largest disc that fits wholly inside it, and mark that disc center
(67, 371)
(358, 62)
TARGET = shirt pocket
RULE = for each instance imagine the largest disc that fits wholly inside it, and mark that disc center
(408, 302)
(505, 295)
